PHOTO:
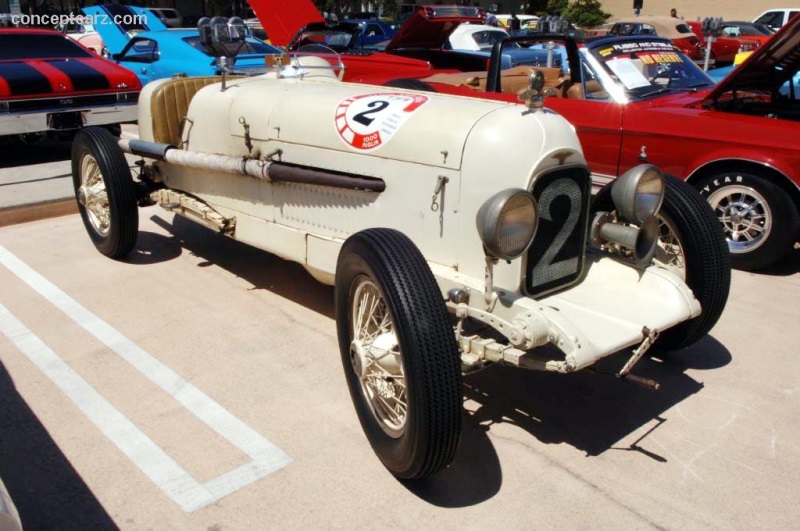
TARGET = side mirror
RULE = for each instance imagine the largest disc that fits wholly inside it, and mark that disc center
(116, 56)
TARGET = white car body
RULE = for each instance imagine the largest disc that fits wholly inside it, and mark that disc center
(460, 139)
(468, 37)
(457, 232)
(777, 17)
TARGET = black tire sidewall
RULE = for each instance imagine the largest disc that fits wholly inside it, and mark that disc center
(124, 215)
(778, 242)
(395, 453)
(430, 356)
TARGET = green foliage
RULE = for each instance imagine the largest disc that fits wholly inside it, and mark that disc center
(586, 13)
(555, 7)
(583, 13)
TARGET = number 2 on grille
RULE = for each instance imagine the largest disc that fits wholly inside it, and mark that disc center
(547, 269)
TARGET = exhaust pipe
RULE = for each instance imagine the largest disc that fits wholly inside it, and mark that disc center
(642, 241)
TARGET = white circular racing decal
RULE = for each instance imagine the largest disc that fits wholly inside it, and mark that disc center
(368, 122)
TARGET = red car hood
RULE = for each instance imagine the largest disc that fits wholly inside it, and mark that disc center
(759, 71)
(430, 26)
(282, 19)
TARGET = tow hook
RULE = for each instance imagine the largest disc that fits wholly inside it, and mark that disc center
(649, 338)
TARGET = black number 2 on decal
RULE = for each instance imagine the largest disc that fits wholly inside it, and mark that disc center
(375, 107)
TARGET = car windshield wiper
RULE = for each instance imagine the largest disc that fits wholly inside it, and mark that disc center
(655, 92)
(698, 85)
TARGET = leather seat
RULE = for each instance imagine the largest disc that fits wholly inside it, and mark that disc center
(169, 105)
(575, 91)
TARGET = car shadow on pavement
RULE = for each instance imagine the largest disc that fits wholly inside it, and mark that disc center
(591, 410)
(48, 492)
(473, 477)
(152, 248)
(261, 269)
(15, 153)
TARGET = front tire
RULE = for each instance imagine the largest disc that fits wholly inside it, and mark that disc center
(688, 222)
(399, 353)
(105, 192)
(758, 217)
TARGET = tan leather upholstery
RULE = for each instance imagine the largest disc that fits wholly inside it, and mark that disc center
(170, 103)
(575, 91)
(512, 80)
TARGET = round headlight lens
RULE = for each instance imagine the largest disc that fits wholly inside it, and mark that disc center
(638, 193)
(649, 195)
(507, 223)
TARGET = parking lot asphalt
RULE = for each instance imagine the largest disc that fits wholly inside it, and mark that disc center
(127, 386)
(197, 385)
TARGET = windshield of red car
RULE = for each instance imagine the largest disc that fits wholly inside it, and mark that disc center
(645, 68)
(18, 46)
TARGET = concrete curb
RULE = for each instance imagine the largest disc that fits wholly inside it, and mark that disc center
(37, 211)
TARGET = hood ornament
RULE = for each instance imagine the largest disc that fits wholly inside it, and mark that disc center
(533, 97)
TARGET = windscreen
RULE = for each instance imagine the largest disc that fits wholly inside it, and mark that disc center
(18, 46)
(647, 68)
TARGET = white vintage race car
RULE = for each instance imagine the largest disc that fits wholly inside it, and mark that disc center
(430, 214)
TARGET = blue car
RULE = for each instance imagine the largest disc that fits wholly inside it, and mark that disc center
(788, 89)
(373, 31)
(152, 51)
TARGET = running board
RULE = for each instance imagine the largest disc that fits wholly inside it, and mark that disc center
(193, 209)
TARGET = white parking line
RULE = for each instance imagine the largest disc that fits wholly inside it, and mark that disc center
(173, 480)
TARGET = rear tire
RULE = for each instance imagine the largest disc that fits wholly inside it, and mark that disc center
(105, 192)
(758, 217)
(399, 353)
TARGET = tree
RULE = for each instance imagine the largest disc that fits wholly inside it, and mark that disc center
(586, 13)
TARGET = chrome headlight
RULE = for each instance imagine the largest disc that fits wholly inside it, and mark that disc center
(507, 223)
(638, 194)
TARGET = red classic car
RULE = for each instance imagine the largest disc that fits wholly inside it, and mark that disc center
(48, 83)
(638, 99)
(724, 48)
(672, 28)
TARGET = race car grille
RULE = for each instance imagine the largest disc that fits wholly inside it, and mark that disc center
(556, 258)
(68, 102)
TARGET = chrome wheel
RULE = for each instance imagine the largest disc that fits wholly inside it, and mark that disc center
(745, 216)
(669, 250)
(376, 357)
(93, 196)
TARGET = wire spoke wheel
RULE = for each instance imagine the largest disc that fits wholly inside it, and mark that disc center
(376, 357)
(105, 192)
(93, 196)
(398, 352)
(670, 250)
